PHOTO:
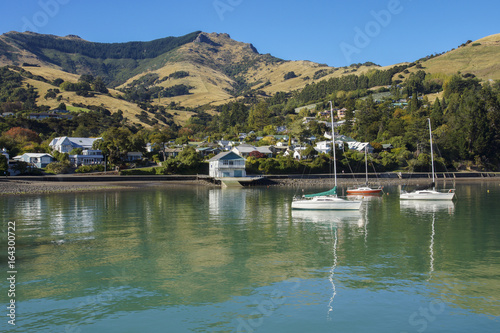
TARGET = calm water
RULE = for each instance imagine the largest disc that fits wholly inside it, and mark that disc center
(209, 260)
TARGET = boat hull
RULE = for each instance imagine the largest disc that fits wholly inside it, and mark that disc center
(427, 195)
(364, 191)
(319, 203)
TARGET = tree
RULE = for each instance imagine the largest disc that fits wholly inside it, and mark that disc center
(99, 85)
(117, 142)
(59, 167)
(259, 116)
(22, 135)
(289, 75)
(436, 114)
(256, 154)
(88, 78)
(309, 152)
(189, 159)
(160, 138)
(4, 165)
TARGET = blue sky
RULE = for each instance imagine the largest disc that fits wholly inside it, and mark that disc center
(337, 33)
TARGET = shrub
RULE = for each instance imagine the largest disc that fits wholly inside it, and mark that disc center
(289, 75)
(59, 167)
(90, 168)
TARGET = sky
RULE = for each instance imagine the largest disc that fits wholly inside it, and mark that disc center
(336, 33)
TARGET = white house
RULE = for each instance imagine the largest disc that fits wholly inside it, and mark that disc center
(65, 144)
(226, 144)
(296, 153)
(39, 160)
(227, 164)
(323, 147)
(88, 157)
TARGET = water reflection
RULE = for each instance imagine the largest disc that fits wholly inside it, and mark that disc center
(329, 217)
(176, 250)
(428, 206)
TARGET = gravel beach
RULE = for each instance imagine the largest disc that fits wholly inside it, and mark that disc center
(26, 187)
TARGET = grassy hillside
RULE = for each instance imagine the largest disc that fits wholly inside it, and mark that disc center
(219, 68)
(480, 57)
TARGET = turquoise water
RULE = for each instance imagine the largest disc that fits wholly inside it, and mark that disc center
(196, 259)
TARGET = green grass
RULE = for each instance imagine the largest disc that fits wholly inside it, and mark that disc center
(71, 108)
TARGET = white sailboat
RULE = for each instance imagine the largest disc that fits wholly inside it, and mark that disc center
(326, 200)
(365, 189)
(428, 194)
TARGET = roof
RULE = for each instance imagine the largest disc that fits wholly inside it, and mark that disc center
(33, 155)
(264, 150)
(245, 148)
(76, 142)
(227, 155)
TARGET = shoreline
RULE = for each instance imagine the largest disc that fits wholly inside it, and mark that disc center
(25, 186)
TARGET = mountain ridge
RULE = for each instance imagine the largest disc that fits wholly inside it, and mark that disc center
(217, 69)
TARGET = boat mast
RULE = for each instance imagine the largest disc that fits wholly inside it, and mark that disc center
(366, 164)
(333, 144)
(432, 155)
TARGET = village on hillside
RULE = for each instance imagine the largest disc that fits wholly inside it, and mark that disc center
(81, 154)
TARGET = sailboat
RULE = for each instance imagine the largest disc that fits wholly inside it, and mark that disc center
(326, 200)
(365, 189)
(428, 194)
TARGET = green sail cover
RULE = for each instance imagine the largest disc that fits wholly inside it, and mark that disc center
(333, 191)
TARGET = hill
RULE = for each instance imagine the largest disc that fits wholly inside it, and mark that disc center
(479, 58)
(201, 69)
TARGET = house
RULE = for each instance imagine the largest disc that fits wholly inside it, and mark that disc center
(341, 113)
(323, 147)
(172, 152)
(226, 144)
(244, 150)
(227, 164)
(88, 157)
(205, 151)
(297, 152)
(387, 147)
(281, 129)
(278, 149)
(66, 144)
(307, 120)
(154, 147)
(133, 156)
(39, 160)
(46, 115)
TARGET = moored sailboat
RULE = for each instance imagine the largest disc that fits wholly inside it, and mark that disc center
(326, 200)
(366, 189)
(431, 193)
